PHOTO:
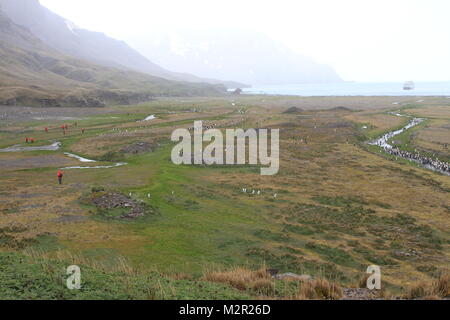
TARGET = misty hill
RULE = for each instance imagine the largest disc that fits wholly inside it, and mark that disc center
(32, 73)
(244, 56)
(96, 47)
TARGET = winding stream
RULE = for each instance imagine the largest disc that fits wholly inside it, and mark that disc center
(119, 164)
(429, 163)
(55, 147)
(18, 148)
(149, 118)
(382, 142)
(81, 159)
(71, 155)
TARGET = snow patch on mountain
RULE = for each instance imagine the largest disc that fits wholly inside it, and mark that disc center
(71, 26)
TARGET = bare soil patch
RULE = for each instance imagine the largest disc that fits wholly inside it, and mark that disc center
(139, 147)
(34, 162)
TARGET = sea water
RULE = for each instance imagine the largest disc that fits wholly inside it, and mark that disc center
(354, 89)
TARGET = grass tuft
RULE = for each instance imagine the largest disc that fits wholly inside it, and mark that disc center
(240, 278)
(319, 289)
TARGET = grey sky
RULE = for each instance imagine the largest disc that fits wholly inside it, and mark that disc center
(364, 40)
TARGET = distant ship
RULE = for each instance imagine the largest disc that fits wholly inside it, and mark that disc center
(409, 85)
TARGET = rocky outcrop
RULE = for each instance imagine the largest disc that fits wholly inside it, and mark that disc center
(113, 200)
(72, 101)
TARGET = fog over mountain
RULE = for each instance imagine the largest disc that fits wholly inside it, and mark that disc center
(35, 74)
(64, 36)
(245, 56)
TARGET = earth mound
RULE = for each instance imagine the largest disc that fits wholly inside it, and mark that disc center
(293, 110)
(341, 109)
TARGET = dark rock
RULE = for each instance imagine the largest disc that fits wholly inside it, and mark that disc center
(360, 294)
(273, 272)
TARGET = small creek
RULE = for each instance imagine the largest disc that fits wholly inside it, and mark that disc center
(426, 162)
(55, 146)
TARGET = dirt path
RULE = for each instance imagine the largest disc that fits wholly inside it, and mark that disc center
(45, 161)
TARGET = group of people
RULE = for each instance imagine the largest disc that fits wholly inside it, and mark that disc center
(64, 128)
(435, 164)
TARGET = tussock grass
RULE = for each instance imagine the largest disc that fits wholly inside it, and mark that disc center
(240, 278)
(319, 289)
(119, 264)
(438, 289)
(260, 282)
(33, 275)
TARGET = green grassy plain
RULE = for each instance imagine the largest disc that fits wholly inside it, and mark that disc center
(340, 207)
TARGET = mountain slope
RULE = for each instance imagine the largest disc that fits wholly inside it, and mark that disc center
(95, 47)
(31, 73)
(245, 56)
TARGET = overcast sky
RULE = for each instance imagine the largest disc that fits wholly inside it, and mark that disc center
(364, 40)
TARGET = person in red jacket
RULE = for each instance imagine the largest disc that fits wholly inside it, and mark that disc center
(26, 140)
(60, 176)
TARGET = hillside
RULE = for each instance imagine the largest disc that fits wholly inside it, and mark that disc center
(96, 47)
(31, 73)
